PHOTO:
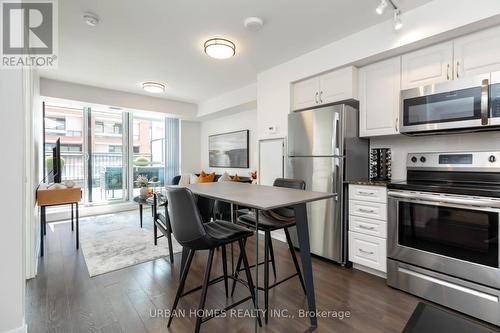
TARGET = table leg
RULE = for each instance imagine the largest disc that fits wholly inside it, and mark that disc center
(257, 268)
(72, 228)
(232, 249)
(77, 227)
(42, 222)
(305, 255)
(140, 213)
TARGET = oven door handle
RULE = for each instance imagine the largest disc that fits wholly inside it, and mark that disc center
(477, 202)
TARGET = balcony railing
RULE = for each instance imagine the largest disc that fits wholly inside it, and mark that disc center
(74, 166)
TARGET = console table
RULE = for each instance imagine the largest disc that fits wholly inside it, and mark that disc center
(47, 197)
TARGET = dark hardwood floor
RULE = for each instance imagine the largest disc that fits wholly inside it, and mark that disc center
(62, 298)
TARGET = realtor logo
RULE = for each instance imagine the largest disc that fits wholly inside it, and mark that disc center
(29, 34)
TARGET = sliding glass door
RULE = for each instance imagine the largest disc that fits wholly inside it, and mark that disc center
(107, 156)
(148, 147)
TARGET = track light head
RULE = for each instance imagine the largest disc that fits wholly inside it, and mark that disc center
(381, 7)
(398, 23)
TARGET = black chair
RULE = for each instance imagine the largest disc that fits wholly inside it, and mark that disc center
(161, 222)
(281, 218)
(195, 235)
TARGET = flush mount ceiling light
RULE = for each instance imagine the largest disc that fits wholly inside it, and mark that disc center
(91, 19)
(153, 87)
(220, 48)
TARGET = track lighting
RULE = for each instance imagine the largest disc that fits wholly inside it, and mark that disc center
(381, 7)
(398, 23)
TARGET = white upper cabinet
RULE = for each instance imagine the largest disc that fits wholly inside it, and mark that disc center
(379, 90)
(477, 53)
(427, 66)
(327, 88)
(338, 85)
(305, 94)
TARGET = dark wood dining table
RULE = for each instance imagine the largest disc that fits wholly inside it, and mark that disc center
(262, 198)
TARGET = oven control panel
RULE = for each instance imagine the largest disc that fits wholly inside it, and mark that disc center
(457, 160)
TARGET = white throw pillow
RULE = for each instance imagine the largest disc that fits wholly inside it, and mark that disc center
(224, 178)
(185, 180)
(193, 179)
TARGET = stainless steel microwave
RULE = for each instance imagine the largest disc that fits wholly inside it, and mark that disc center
(466, 105)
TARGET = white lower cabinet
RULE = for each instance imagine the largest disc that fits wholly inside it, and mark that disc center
(368, 251)
(368, 227)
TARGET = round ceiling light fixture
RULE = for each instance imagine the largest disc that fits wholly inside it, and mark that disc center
(91, 19)
(253, 23)
(220, 48)
(153, 87)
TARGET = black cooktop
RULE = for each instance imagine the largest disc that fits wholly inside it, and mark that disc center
(462, 188)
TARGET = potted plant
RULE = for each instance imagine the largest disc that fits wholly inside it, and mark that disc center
(142, 182)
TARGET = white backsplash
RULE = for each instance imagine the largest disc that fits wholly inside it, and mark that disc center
(402, 145)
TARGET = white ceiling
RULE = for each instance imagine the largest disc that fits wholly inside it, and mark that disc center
(162, 40)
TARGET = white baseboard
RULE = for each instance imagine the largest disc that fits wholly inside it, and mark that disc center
(22, 329)
(369, 270)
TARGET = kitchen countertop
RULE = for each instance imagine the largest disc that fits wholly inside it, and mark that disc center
(365, 181)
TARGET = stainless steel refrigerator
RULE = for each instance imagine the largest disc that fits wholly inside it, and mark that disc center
(324, 150)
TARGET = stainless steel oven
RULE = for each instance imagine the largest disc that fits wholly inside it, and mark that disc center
(469, 104)
(443, 230)
(451, 234)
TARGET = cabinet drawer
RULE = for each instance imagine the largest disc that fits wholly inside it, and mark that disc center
(368, 251)
(368, 209)
(368, 226)
(368, 193)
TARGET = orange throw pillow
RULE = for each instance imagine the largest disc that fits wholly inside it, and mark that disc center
(206, 178)
(235, 178)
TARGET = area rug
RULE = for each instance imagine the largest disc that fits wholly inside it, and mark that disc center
(114, 241)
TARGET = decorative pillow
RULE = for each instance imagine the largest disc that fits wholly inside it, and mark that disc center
(193, 179)
(235, 178)
(185, 180)
(224, 178)
(206, 178)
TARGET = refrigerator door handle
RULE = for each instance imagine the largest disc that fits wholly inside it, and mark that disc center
(335, 136)
(336, 177)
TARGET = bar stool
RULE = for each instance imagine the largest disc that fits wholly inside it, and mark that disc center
(281, 218)
(190, 231)
(161, 222)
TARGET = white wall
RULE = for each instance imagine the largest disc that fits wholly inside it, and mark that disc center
(190, 146)
(89, 94)
(33, 167)
(246, 120)
(402, 145)
(432, 22)
(238, 99)
(12, 199)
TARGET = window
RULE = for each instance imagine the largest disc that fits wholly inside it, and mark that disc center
(99, 127)
(71, 148)
(115, 149)
(117, 128)
(136, 132)
(74, 133)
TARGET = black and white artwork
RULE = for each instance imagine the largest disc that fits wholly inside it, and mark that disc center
(228, 150)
